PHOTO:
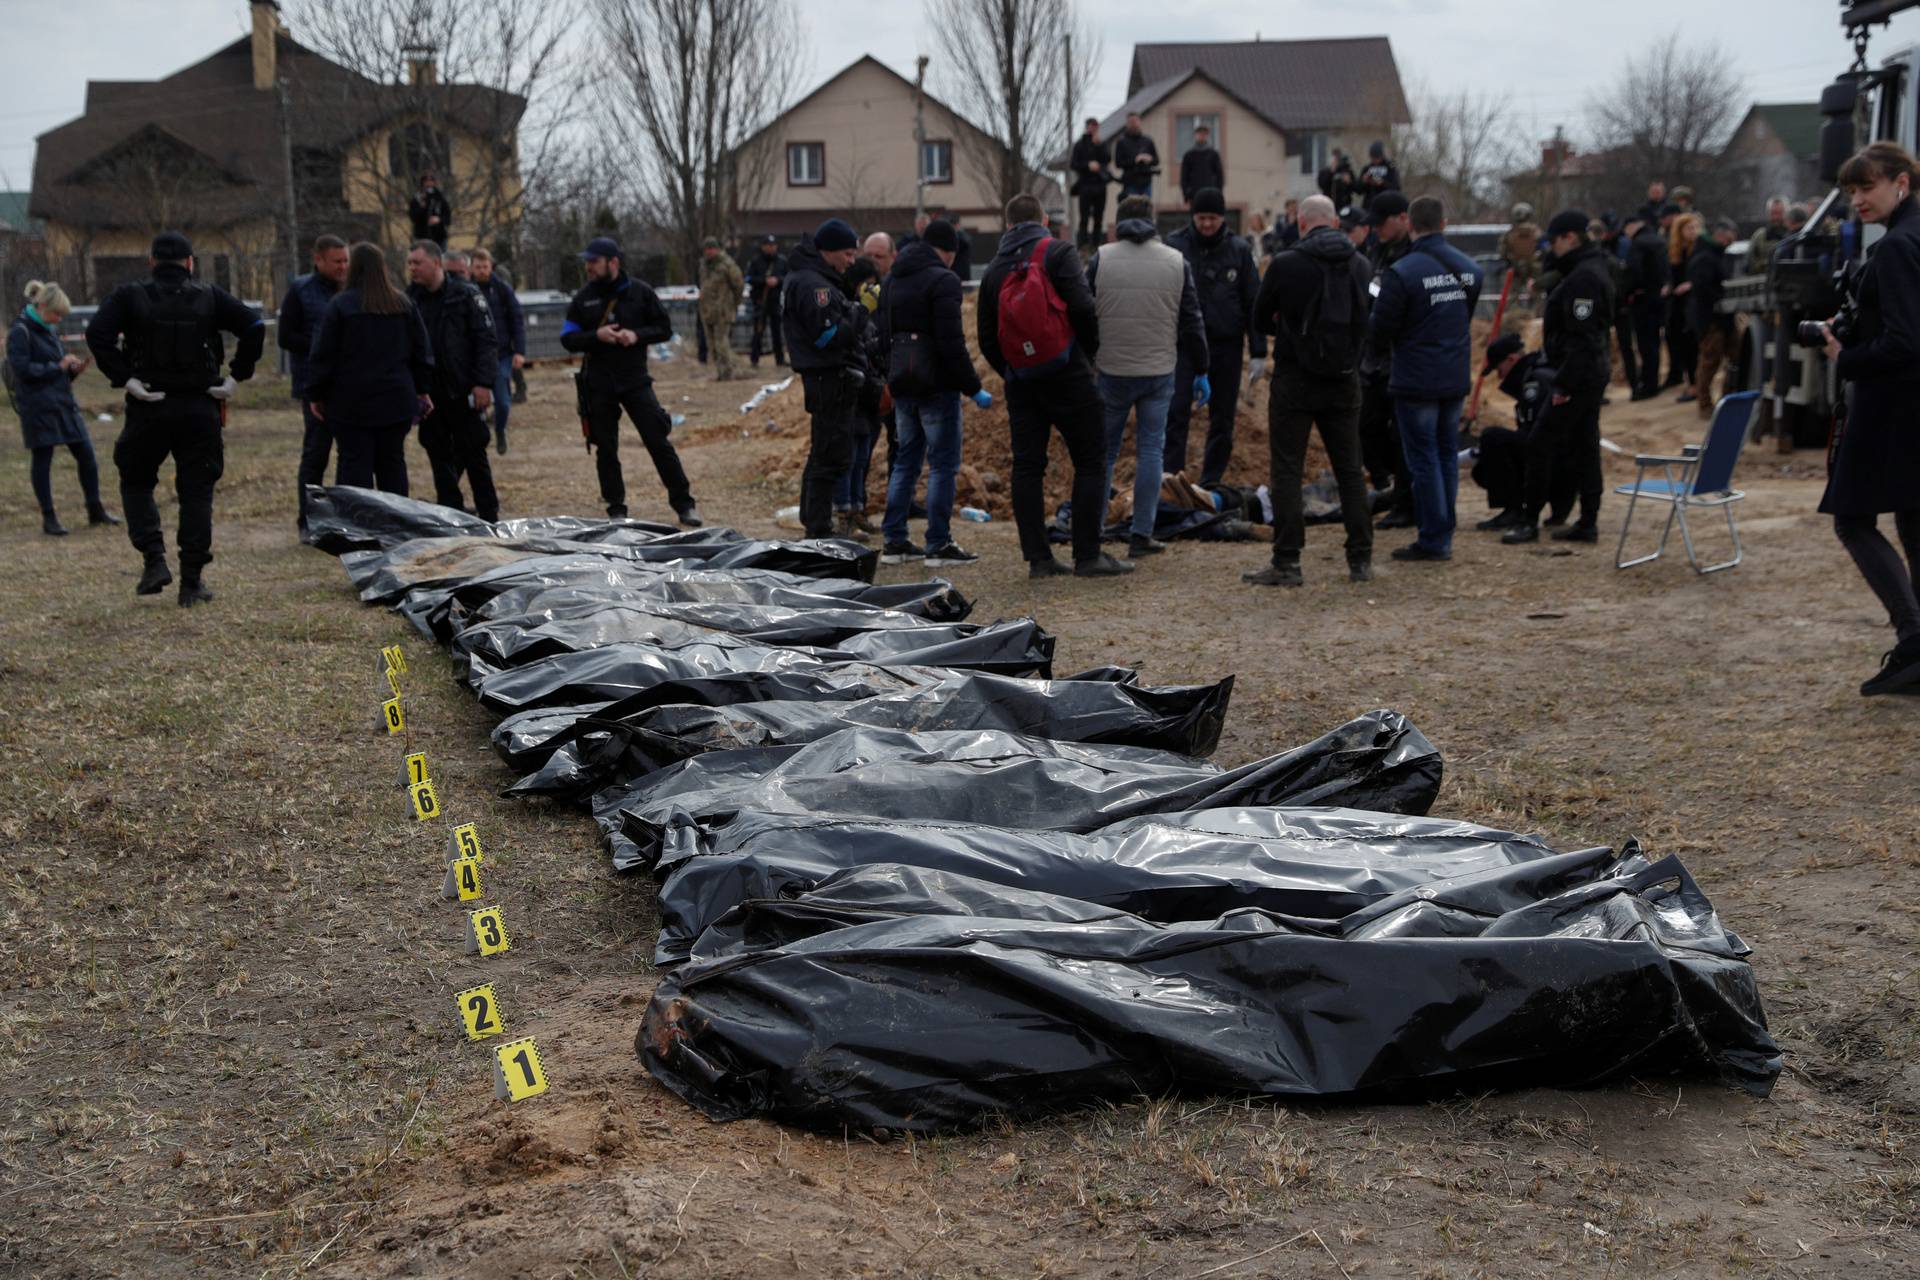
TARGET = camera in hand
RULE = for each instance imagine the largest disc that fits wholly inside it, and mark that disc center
(1846, 283)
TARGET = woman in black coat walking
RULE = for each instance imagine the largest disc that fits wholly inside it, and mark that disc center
(1874, 467)
(369, 373)
(41, 378)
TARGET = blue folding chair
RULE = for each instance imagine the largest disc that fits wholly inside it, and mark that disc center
(1701, 476)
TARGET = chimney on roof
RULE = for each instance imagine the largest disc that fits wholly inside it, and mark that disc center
(421, 71)
(266, 50)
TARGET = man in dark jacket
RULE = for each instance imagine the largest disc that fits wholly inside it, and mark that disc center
(610, 324)
(460, 328)
(1227, 280)
(824, 323)
(1500, 465)
(920, 327)
(1063, 398)
(1380, 447)
(1647, 277)
(1578, 319)
(1314, 304)
(1378, 176)
(1424, 312)
(1135, 157)
(297, 324)
(160, 339)
(510, 329)
(1336, 179)
(1200, 168)
(764, 275)
(1707, 273)
(429, 211)
(1089, 162)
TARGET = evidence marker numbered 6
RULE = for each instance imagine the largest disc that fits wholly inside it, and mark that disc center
(487, 932)
(426, 801)
(517, 1073)
(480, 1012)
(463, 880)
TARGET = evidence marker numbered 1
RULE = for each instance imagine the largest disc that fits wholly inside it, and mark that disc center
(426, 802)
(392, 718)
(517, 1073)
(463, 880)
(413, 771)
(464, 842)
(480, 1012)
(487, 932)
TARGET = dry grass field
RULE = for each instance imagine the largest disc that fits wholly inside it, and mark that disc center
(228, 1044)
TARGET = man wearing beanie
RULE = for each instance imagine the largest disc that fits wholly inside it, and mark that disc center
(1578, 319)
(823, 323)
(1380, 446)
(160, 339)
(1227, 279)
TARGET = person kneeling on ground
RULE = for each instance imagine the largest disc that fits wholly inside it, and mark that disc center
(929, 369)
(1501, 465)
(1313, 303)
(1038, 328)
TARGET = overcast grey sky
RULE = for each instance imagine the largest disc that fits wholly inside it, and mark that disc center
(1783, 50)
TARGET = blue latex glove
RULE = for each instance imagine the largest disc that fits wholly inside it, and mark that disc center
(1202, 389)
(826, 337)
(983, 398)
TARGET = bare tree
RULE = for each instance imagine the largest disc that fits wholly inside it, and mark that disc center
(1004, 65)
(1459, 147)
(1665, 116)
(692, 84)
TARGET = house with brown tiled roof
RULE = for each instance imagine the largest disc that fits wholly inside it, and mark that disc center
(257, 149)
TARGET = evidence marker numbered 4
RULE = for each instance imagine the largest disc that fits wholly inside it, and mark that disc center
(480, 1012)
(463, 880)
(487, 932)
(517, 1073)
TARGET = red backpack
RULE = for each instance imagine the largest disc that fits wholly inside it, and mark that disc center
(1035, 335)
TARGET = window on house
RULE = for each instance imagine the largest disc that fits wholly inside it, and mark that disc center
(1184, 126)
(936, 161)
(1315, 152)
(417, 148)
(806, 164)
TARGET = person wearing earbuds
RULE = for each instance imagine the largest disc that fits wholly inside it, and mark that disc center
(1875, 461)
(160, 339)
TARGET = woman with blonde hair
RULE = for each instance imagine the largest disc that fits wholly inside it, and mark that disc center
(1682, 342)
(40, 374)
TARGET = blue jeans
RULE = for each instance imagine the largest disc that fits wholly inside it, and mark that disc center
(850, 491)
(502, 396)
(1148, 398)
(927, 430)
(1430, 433)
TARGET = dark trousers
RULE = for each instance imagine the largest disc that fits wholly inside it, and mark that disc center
(1623, 339)
(1298, 403)
(1223, 372)
(374, 457)
(766, 323)
(1380, 447)
(831, 399)
(1093, 214)
(1068, 402)
(455, 438)
(1563, 456)
(1897, 584)
(89, 468)
(187, 427)
(1646, 336)
(603, 430)
(1501, 468)
(1682, 347)
(316, 443)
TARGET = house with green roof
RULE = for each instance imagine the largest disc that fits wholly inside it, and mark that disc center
(1774, 152)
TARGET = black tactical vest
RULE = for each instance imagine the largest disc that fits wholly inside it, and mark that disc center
(175, 345)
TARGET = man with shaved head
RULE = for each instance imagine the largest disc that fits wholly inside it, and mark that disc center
(879, 247)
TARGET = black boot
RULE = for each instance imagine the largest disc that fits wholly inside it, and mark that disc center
(51, 526)
(97, 514)
(1528, 532)
(192, 592)
(155, 577)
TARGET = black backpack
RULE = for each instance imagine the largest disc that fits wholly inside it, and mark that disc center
(177, 347)
(1329, 339)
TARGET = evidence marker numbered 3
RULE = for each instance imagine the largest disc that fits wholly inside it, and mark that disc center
(487, 932)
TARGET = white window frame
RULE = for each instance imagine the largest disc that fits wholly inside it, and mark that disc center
(801, 152)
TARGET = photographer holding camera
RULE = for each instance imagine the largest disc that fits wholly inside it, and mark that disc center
(1874, 466)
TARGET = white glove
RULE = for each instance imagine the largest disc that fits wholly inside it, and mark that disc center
(1256, 369)
(225, 390)
(138, 390)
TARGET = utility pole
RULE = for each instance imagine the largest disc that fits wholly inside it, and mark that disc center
(920, 137)
(1066, 162)
(293, 199)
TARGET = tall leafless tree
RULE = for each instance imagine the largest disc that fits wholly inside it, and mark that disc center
(1003, 65)
(690, 86)
(1666, 116)
(1459, 146)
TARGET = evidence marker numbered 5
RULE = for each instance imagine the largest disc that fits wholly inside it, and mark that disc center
(487, 932)
(464, 842)
(517, 1072)
(480, 1012)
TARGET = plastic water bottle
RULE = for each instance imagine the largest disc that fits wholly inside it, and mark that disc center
(975, 514)
(679, 419)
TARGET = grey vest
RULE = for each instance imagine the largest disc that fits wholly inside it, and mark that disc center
(1137, 295)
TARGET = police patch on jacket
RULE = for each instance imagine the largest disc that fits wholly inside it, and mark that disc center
(1582, 308)
(820, 297)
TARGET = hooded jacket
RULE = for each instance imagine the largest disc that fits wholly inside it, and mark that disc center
(1228, 280)
(1425, 313)
(921, 295)
(1579, 322)
(1296, 278)
(1069, 281)
(820, 317)
(1149, 310)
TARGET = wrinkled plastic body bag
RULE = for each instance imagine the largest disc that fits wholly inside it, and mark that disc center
(935, 1013)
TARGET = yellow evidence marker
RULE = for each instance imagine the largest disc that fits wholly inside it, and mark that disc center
(487, 932)
(426, 803)
(464, 842)
(517, 1073)
(480, 1012)
(463, 880)
(393, 680)
(394, 659)
(392, 717)
(414, 771)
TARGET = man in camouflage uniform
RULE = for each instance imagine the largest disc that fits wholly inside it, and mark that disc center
(721, 286)
(1520, 249)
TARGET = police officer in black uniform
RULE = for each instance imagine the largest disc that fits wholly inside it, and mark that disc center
(764, 274)
(610, 323)
(1501, 465)
(1380, 448)
(1227, 280)
(823, 323)
(1578, 318)
(1091, 158)
(454, 432)
(161, 341)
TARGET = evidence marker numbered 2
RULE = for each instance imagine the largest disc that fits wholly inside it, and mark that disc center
(487, 932)
(480, 1012)
(517, 1073)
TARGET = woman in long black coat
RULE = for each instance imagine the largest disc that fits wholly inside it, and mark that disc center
(368, 374)
(1875, 465)
(43, 372)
